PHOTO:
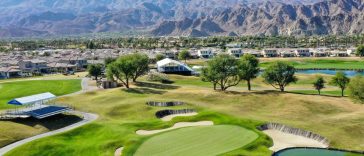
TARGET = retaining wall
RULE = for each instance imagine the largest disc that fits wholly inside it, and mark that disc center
(295, 131)
(163, 113)
(164, 104)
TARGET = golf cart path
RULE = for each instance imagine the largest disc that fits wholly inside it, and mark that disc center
(87, 118)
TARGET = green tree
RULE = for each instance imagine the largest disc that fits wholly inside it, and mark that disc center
(248, 68)
(319, 84)
(95, 70)
(360, 50)
(208, 74)
(341, 81)
(279, 75)
(109, 60)
(128, 67)
(184, 55)
(356, 88)
(223, 71)
(159, 57)
(141, 62)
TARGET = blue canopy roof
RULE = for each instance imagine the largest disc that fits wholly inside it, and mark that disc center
(32, 99)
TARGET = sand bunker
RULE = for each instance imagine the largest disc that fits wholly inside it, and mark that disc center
(282, 140)
(170, 117)
(175, 126)
(118, 151)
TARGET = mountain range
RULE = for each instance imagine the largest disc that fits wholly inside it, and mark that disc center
(24, 18)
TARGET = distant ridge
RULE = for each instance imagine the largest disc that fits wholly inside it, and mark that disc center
(198, 18)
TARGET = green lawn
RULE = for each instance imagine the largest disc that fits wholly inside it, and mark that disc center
(17, 89)
(201, 141)
(322, 64)
(123, 111)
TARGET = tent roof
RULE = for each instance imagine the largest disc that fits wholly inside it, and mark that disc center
(167, 61)
(32, 99)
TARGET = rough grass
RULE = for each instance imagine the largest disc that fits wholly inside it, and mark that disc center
(124, 111)
(306, 63)
(17, 89)
(202, 141)
(322, 64)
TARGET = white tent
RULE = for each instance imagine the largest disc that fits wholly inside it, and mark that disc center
(179, 66)
(32, 99)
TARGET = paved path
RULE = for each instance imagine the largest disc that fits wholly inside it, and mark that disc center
(87, 118)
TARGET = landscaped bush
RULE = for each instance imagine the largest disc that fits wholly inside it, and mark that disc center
(158, 77)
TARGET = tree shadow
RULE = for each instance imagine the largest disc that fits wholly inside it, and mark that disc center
(323, 95)
(155, 85)
(51, 123)
(263, 92)
(143, 91)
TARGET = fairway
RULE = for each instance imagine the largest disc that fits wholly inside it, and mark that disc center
(17, 89)
(204, 140)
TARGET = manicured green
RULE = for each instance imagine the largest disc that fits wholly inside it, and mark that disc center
(11, 90)
(202, 141)
(322, 64)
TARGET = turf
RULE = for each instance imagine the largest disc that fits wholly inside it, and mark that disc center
(202, 141)
(17, 89)
(322, 64)
(123, 111)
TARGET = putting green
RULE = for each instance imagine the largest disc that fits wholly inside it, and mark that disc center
(201, 141)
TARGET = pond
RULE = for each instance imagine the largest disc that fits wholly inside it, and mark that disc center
(310, 152)
(349, 73)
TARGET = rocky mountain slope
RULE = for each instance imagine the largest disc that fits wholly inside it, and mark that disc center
(182, 17)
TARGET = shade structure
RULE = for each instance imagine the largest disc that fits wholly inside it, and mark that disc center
(32, 99)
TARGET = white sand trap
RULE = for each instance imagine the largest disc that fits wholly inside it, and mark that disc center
(282, 140)
(119, 151)
(170, 117)
(175, 126)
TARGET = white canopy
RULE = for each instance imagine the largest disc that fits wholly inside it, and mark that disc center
(168, 61)
(32, 99)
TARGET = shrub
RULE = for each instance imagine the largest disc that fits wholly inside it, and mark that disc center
(158, 77)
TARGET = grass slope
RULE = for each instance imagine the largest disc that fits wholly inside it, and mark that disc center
(202, 141)
(17, 89)
(321, 64)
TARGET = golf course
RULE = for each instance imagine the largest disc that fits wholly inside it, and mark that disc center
(234, 116)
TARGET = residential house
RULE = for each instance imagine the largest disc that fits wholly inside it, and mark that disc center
(10, 72)
(286, 53)
(302, 53)
(253, 52)
(270, 53)
(338, 53)
(33, 66)
(80, 63)
(319, 52)
(205, 53)
(351, 51)
(237, 52)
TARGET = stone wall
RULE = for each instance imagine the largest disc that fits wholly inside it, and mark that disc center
(164, 104)
(163, 113)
